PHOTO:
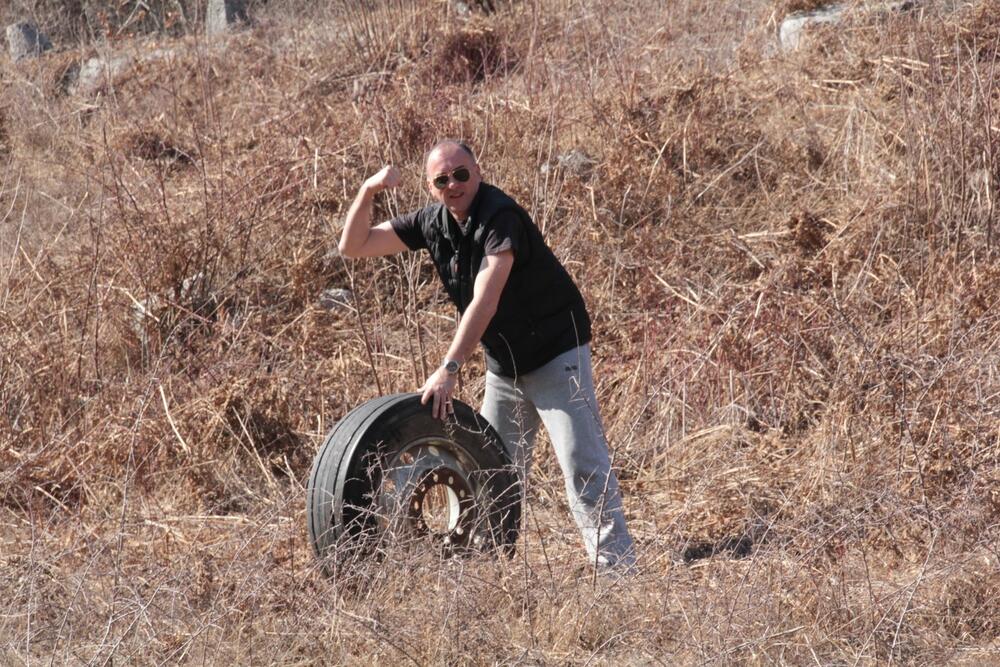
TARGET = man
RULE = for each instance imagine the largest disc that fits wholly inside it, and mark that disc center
(521, 304)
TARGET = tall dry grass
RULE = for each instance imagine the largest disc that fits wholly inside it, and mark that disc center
(791, 263)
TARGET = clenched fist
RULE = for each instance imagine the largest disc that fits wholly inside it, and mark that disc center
(386, 179)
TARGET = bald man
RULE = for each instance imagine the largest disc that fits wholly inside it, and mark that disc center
(519, 302)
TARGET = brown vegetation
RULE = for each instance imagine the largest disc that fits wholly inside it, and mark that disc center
(792, 266)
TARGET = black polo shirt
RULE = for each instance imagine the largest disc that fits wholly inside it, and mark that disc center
(541, 313)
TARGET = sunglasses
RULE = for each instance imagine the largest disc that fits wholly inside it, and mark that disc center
(461, 175)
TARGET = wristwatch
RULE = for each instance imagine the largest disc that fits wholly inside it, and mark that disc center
(452, 366)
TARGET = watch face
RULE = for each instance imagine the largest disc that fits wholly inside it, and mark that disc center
(451, 366)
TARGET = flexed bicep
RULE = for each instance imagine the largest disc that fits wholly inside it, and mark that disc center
(382, 240)
(358, 238)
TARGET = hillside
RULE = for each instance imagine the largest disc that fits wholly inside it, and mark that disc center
(790, 257)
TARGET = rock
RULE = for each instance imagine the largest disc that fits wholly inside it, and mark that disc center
(363, 88)
(196, 296)
(145, 310)
(981, 185)
(460, 8)
(575, 162)
(145, 320)
(25, 41)
(790, 33)
(793, 28)
(465, 8)
(336, 298)
(95, 73)
(193, 288)
(224, 15)
(101, 71)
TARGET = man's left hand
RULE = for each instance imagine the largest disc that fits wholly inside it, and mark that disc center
(438, 390)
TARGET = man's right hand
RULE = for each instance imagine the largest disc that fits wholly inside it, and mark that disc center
(386, 179)
(359, 238)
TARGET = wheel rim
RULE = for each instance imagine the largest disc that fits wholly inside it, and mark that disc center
(427, 489)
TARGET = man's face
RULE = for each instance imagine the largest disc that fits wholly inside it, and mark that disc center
(457, 196)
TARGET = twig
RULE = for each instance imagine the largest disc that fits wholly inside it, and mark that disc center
(170, 419)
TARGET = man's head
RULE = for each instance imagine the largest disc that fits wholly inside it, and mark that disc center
(453, 176)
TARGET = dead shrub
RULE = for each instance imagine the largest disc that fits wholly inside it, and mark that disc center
(265, 428)
(149, 145)
(969, 605)
(31, 488)
(471, 55)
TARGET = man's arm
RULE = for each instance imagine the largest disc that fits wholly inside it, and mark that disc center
(359, 238)
(490, 282)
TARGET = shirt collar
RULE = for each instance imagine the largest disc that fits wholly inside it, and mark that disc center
(452, 229)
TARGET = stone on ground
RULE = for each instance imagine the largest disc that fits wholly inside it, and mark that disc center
(225, 15)
(336, 298)
(24, 40)
(793, 28)
(576, 162)
(98, 72)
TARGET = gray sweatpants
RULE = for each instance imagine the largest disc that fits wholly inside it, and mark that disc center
(560, 394)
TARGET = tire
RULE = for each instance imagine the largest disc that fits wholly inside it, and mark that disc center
(387, 462)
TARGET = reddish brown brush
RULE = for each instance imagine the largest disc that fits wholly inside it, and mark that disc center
(791, 261)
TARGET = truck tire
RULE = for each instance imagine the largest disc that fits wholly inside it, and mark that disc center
(389, 471)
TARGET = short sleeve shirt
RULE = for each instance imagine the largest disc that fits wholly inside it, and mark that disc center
(540, 313)
(504, 232)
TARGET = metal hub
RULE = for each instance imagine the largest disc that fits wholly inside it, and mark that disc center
(426, 490)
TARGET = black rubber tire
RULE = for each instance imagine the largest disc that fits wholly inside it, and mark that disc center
(366, 453)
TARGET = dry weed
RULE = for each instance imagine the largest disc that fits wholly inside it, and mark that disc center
(792, 268)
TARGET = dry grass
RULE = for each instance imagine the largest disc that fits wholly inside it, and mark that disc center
(792, 266)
